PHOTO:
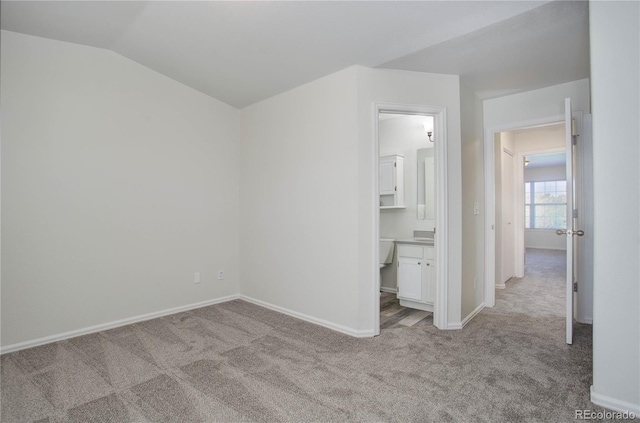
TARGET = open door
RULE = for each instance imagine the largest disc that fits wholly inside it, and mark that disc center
(571, 231)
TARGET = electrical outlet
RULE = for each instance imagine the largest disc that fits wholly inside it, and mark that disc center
(196, 277)
(220, 274)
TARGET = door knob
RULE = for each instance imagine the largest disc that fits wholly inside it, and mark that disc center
(561, 232)
(579, 233)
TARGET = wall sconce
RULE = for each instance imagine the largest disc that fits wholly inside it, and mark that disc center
(526, 162)
(428, 127)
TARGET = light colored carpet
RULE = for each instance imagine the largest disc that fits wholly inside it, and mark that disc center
(240, 362)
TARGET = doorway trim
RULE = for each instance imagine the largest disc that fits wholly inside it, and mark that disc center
(440, 319)
(490, 198)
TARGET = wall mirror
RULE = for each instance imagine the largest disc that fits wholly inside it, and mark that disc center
(426, 191)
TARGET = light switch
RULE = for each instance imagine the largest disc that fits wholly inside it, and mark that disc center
(476, 208)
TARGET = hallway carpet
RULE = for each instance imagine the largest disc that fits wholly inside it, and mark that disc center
(237, 362)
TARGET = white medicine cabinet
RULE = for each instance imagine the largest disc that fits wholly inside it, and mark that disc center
(392, 182)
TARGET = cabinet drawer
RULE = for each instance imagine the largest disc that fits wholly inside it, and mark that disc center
(410, 251)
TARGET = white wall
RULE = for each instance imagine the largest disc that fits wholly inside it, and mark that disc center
(299, 201)
(525, 107)
(414, 88)
(402, 135)
(547, 173)
(615, 70)
(117, 185)
(472, 179)
(308, 198)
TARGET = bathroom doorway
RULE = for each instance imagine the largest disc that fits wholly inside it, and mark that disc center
(411, 146)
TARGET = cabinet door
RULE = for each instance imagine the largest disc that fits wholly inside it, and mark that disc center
(429, 281)
(387, 176)
(410, 279)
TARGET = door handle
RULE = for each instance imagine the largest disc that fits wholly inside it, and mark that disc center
(570, 233)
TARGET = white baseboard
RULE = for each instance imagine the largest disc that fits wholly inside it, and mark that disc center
(463, 323)
(391, 290)
(586, 320)
(614, 404)
(501, 286)
(111, 325)
(473, 314)
(330, 325)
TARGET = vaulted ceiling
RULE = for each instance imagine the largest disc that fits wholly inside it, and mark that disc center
(241, 52)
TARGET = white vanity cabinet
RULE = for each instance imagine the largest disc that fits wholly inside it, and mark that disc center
(416, 276)
(391, 176)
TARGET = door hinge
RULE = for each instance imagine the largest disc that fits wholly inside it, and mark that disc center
(395, 188)
(574, 139)
(394, 164)
(575, 287)
(575, 213)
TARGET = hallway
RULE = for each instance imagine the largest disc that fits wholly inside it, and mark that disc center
(541, 292)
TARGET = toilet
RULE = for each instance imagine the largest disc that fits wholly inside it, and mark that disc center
(386, 251)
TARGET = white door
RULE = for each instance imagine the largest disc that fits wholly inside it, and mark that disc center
(572, 230)
(508, 215)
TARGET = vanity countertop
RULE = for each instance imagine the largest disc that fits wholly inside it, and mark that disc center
(428, 242)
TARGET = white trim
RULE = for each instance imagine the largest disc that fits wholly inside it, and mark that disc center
(440, 317)
(473, 314)
(584, 159)
(391, 290)
(325, 323)
(460, 325)
(111, 325)
(501, 286)
(376, 220)
(587, 321)
(613, 403)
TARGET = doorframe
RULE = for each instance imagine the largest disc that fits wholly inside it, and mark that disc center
(490, 198)
(440, 319)
(584, 157)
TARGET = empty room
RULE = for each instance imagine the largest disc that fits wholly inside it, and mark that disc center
(195, 195)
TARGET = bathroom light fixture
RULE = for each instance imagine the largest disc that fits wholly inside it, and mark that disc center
(526, 162)
(428, 127)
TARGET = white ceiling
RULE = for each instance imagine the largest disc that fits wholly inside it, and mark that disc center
(242, 52)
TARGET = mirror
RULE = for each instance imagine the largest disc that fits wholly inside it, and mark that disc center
(426, 209)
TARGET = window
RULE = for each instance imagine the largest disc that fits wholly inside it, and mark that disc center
(545, 205)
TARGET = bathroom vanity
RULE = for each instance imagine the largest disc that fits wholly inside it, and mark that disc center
(416, 260)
